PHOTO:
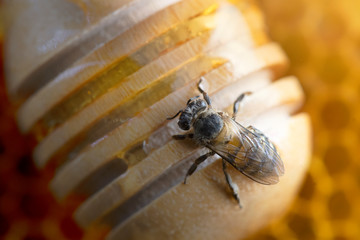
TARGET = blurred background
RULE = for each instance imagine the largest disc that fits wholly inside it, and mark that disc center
(322, 40)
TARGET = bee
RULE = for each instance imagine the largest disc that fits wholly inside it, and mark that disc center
(246, 149)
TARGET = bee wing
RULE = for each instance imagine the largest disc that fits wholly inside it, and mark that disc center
(254, 155)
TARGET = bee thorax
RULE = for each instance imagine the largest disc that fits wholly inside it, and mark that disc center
(207, 127)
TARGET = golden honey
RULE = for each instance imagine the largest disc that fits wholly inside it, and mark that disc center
(321, 40)
(132, 103)
(127, 65)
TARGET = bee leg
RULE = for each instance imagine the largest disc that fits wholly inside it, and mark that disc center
(169, 118)
(234, 188)
(237, 103)
(182, 137)
(196, 163)
(205, 95)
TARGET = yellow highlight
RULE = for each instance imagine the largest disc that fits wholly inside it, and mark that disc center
(321, 39)
(126, 66)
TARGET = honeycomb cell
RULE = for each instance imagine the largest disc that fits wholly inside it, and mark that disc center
(336, 159)
(331, 27)
(2, 147)
(335, 114)
(34, 207)
(3, 187)
(4, 225)
(302, 226)
(341, 238)
(308, 188)
(70, 229)
(297, 49)
(333, 69)
(339, 206)
(26, 166)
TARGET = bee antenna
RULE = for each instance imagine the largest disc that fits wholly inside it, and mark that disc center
(201, 90)
(199, 84)
(169, 118)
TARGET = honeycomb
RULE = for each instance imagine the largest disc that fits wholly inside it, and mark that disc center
(27, 209)
(322, 41)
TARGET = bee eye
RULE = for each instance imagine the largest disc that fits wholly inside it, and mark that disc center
(184, 125)
(201, 104)
(184, 121)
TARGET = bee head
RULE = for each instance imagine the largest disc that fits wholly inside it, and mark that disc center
(193, 107)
